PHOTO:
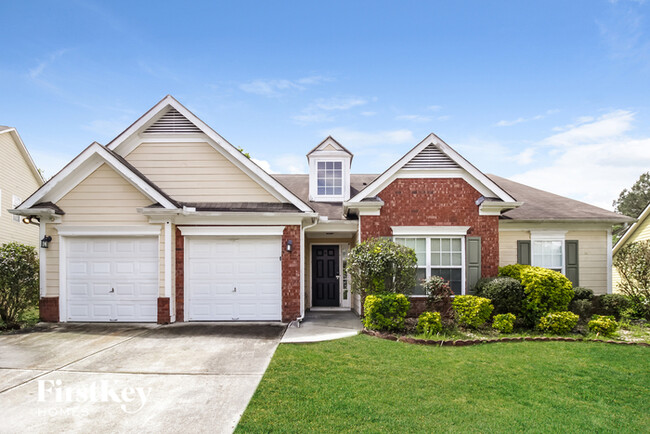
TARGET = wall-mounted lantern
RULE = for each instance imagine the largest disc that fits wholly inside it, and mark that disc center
(289, 245)
(45, 242)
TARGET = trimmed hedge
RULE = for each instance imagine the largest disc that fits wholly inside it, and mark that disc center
(558, 322)
(385, 311)
(604, 325)
(506, 294)
(546, 291)
(504, 322)
(472, 311)
(429, 323)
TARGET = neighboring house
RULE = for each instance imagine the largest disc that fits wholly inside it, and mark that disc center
(639, 231)
(170, 222)
(19, 178)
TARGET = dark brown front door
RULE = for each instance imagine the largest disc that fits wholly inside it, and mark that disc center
(325, 275)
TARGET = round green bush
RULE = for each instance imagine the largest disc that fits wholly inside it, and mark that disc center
(429, 323)
(583, 308)
(506, 294)
(480, 284)
(504, 322)
(546, 291)
(385, 311)
(558, 322)
(513, 271)
(614, 304)
(581, 293)
(604, 325)
(472, 311)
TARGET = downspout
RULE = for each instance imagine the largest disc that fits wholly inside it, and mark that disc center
(302, 269)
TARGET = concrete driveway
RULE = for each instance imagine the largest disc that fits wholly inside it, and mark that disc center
(190, 377)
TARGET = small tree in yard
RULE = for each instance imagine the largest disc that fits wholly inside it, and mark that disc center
(18, 281)
(633, 264)
(379, 266)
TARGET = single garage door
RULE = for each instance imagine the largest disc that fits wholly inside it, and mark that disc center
(112, 279)
(234, 279)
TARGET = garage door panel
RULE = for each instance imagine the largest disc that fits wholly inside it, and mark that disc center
(112, 279)
(252, 265)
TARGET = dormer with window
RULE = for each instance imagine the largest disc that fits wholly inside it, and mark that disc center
(329, 172)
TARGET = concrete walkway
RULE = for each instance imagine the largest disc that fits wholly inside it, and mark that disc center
(323, 326)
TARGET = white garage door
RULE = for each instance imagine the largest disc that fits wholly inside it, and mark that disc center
(234, 279)
(112, 279)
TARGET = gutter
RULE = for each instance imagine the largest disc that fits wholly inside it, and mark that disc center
(298, 320)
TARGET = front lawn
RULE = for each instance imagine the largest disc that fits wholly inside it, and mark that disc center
(28, 318)
(365, 384)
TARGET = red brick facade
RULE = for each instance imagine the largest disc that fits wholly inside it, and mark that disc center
(291, 274)
(436, 202)
(48, 308)
(180, 276)
(163, 310)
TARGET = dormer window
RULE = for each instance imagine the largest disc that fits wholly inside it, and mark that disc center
(329, 172)
(330, 178)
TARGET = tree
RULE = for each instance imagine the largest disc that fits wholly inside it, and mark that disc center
(18, 281)
(633, 264)
(632, 202)
(379, 266)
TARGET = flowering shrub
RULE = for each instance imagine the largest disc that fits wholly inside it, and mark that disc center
(603, 325)
(18, 281)
(504, 322)
(472, 311)
(385, 311)
(439, 296)
(558, 322)
(429, 323)
(380, 265)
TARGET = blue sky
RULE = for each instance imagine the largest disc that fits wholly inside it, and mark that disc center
(554, 94)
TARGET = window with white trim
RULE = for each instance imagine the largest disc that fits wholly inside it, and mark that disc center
(329, 178)
(438, 256)
(15, 201)
(548, 254)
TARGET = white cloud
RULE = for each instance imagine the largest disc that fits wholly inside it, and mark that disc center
(321, 109)
(37, 71)
(263, 164)
(285, 163)
(519, 120)
(592, 161)
(339, 103)
(275, 87)
(359, 139)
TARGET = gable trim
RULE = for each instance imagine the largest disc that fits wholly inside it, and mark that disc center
(628, 234)
(389, 175)
(81, 167)
(336, 142)
(233, 154)
(25, 153)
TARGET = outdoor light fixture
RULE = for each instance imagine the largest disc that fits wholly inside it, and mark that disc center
(30, 220)
(45, 242)
(289, 245)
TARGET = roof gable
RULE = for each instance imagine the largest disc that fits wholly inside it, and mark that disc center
(643, 222)
(159, 117)
(435, 157)
(23, 150)
(330, 144)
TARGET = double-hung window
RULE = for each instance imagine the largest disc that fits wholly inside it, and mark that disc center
(329, 178)
(547, 250)
(442, 256)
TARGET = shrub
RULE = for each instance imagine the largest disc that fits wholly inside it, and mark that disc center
(18, 281)
(603, 325)
(582, 308)
(513, 271)
(506, 295)
(439, 296)
(558, 322)
(633, 264)
(472, 311)
(380, 265)
(385, 311)
(546, 291)
(614, 304)
(429, 323)
(580, 293)
(478, 289)
(504, 322)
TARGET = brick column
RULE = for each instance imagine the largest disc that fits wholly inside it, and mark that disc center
(163, 310)
(291, 274)
(48, 308)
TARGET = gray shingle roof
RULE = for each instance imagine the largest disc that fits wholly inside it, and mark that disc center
(541, 205)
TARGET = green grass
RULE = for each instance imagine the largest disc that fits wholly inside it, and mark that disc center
(365, 384)
(28, 318)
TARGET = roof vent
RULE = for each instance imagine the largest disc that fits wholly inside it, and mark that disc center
(431, 158)
(173, 122)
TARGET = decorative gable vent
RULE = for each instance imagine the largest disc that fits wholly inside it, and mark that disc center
(431, 158)
(173, 122)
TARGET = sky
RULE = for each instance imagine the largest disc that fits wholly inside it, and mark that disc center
(553, 94)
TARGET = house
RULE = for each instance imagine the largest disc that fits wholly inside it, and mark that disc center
(639, 231)
(19, 177)
(170, 222)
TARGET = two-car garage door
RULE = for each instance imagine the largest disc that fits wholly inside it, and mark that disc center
(233, 279)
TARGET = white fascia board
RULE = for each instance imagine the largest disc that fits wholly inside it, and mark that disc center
(32, 211)
(26, 155)
(429, 230)
(232, 219)
(540, 234)
(231, 231)
(234, 155)
(626, 236)
(385, 178)
(518, 225)
(84, 231)
(351, 226)
(496, 208)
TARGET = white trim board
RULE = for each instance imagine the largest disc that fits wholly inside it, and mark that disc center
(94, 231)
(225, 231)
(399, 231)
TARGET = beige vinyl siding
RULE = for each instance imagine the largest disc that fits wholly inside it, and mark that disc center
(104, 198)
(196, 172)
(508, 246)
(52, 262)
(641, 233)
(592, 259)
(16, 178)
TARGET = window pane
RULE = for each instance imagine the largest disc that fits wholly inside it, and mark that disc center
(456, 245)
(456, 259)
(435, 244)
(321, 165)
(420, 275)
(337, 190)
(321, 190)
(337, 165)
(445, 244)
(435, 258)
(446, 258)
